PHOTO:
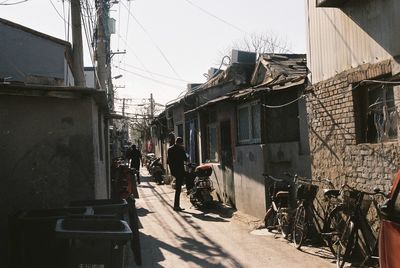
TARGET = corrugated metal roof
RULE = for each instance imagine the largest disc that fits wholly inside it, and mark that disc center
(278, 71)
(272, 72)
(219, 99)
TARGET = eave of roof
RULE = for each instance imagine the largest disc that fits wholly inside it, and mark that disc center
(31, 31)
(99, 96)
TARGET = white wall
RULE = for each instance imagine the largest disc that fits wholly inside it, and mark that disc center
(249, 182)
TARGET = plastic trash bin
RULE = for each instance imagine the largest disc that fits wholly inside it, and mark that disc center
(94, 242)
(117, 207)
(38, 246)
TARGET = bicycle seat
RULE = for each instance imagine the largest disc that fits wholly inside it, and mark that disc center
(282, 194)
(331, 193)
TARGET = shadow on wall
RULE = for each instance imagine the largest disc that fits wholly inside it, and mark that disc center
(368, 15)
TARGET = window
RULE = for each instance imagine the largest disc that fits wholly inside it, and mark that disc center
(249, 120)
(243, 117)
(375, 113)
(212, 145)
(180, 130)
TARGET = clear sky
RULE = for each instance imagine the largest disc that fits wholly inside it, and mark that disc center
(169, 43)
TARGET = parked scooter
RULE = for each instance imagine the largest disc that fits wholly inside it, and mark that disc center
(200, 185)
(157, 170)
(148, 159)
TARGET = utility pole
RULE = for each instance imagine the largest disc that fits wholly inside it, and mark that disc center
(151, 106)
(123, 107)
(101, 46)
(77, 48)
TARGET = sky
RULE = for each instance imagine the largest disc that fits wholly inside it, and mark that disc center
(170, 43)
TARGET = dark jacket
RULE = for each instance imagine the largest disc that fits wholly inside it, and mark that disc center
(135, 155)
(176, 159)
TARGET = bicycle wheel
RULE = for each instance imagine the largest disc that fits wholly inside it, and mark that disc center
(299, 227)
(333, 228)
(283, 222)
(270, 219)
(346, 244)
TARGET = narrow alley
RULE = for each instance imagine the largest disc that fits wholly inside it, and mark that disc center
(192, 238)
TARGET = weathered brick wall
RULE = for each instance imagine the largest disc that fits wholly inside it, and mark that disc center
(334, 151)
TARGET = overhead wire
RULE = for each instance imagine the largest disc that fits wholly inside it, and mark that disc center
(89, 40)
(58, 13)
(157, 74)
(4, 3)
(153, 41)
(126, 34)
(148, 78)
(65, 22)
(136, 56)
(215, 17)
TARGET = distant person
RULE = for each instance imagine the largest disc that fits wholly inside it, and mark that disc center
(175, 160)
(171, 138)
(135, 156)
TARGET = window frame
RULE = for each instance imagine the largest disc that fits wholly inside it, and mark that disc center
(362, 102)
(251, 124)
(216, 150)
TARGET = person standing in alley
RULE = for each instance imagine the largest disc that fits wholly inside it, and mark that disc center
(175, 160)
(135, 156)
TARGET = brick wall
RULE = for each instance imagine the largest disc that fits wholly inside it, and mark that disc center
(334, 151)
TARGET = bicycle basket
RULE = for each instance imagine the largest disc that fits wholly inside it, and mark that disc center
(307, 192)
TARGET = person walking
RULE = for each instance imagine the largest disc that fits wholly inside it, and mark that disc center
(176, 158)
(135, 156)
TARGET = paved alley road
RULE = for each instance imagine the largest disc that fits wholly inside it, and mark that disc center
(196, 239)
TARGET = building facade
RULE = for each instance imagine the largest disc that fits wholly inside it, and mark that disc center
(352, 106)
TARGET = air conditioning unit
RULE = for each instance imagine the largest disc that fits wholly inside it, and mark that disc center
(213, 72)
(111, 25)
(239, 56)
(193, 86)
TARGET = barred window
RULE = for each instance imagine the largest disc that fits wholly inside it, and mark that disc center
(375, 113)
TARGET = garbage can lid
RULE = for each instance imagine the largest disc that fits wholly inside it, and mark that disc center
(92, 228)
(53, 214)
(98, 202)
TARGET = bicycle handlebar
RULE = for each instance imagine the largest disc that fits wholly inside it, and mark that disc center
(273, 178)
(377, 191)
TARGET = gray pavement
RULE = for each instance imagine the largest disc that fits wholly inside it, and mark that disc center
(214, 238)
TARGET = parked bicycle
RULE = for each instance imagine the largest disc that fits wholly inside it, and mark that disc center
(308, 218)
(278, 216)
(356, 235)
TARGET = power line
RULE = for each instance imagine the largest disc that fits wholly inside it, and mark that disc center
(88, 35)
(214, 16)
(152, 40)
(136, 56)
(4, 3)
(158, 74)
(149, 78)
(58, 13)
